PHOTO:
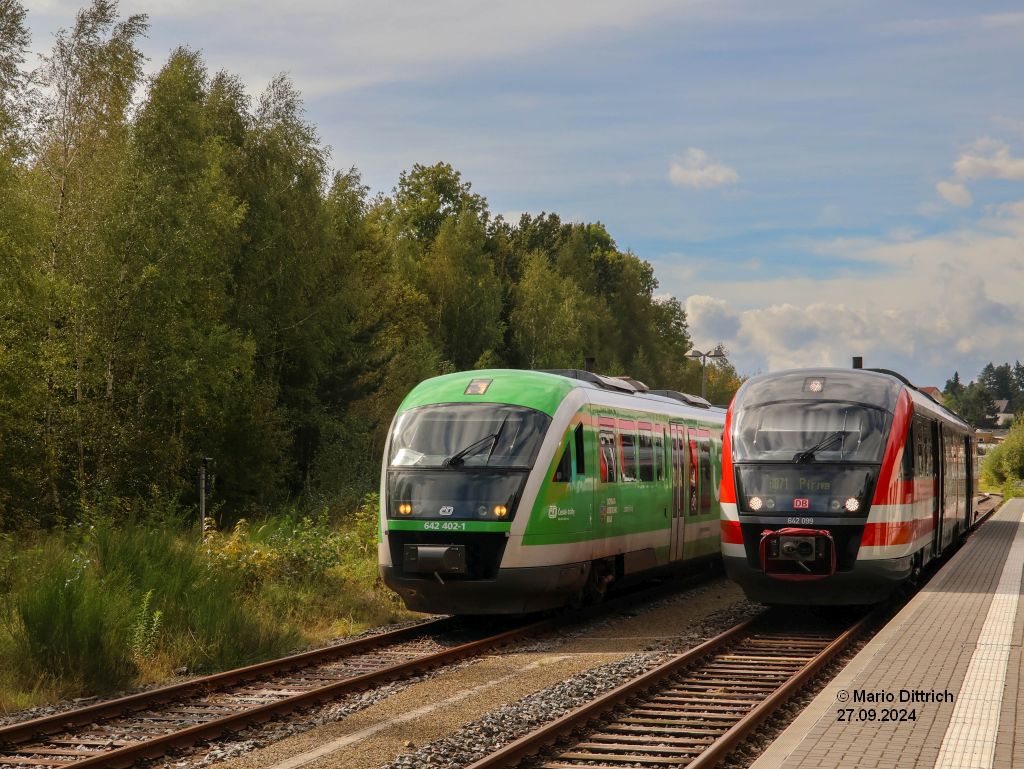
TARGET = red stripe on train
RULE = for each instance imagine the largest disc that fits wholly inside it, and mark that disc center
(896, 533)
(732, 534)
(727, 490)
(894, 447)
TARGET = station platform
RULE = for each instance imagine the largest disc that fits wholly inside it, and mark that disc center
(952, 657)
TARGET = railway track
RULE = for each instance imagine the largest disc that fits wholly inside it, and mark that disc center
(697, 707)
(692, 710)
(712, 697)
(118, 733)
(146, 725)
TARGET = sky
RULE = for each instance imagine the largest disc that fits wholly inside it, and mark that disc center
(813, 181)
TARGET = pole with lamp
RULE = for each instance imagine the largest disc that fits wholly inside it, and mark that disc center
(703, 358)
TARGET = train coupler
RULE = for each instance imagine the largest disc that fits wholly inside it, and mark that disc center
(797, 554)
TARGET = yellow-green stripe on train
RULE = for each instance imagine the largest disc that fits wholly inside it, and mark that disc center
(508, 491)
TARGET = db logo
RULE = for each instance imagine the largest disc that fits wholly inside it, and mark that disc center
(446, 510)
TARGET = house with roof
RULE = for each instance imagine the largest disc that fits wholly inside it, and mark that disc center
(1003, 413)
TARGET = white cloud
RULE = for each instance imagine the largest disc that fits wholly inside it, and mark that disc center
(711, 320)
(933, 304)
(695, 169)
(955, 194)
(989, 159)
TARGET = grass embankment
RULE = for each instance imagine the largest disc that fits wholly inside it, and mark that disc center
(1003, 466)
(99, 607)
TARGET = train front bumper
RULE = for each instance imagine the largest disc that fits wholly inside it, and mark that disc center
(511, 591)
(870, 581)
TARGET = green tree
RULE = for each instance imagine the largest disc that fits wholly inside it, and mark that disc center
(187, 373)
(1003, 466)
(999, 381)
(954, 387)
(80, 166)
(465, 296)
(427, 196)
(547, 316)
(22, 302)
(976, 406)
(723, 379)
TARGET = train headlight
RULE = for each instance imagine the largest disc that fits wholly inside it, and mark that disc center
(835, 505)
(769, 503)
(405, 509)
(852, 504)
(755, 503)
(500, 511)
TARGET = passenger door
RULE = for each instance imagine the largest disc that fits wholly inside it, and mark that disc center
(679, 468)
(701, 530)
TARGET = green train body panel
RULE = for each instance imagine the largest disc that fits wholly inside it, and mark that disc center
(533, 389)
(585, 509)
(435, 525)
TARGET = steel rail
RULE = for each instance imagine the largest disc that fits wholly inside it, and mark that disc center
(531, 743)
(157, 746)
(750, 722)
(17, 734)
(578, 719)
(25, 730)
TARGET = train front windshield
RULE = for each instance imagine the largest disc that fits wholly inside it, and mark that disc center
(462, 461)
(808, 457)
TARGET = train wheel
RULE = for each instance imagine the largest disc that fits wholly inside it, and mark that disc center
(601, 573)
(917, 566)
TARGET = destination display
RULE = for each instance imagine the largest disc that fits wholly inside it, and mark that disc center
(768, 489)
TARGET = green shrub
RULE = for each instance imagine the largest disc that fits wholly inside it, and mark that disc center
(206, 624)
(68, 623)
(1003, 466)
(145, 631)
(108, 603)
(305, 544)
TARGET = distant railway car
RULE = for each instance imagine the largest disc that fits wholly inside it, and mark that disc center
(838, 485)
(508, 491)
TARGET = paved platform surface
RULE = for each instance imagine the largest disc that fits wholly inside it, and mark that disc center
(956, 649)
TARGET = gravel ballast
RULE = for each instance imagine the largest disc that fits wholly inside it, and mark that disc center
(550, 675)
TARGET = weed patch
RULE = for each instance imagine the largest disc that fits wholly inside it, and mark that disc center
(109, 604)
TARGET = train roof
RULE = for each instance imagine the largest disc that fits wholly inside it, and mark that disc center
(875, 387)
(544, 391)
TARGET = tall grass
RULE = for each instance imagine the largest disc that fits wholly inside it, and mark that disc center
(103, 606)
(205, 621)
(67, 623)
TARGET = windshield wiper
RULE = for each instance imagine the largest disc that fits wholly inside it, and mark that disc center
(458, 458)
(808, 454)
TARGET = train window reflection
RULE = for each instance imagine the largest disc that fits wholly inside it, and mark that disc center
(843, 432)
(495, 435)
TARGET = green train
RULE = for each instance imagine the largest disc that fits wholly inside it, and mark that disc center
(510, 491)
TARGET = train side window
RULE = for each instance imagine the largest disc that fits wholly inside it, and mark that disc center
(694, 500)
(609, 465)
(581, 465)
(919, 447)
(923, 442)
(646, 452)
(659, 454)
(563, 473)
(627, 450)
(907, 467)
(705, 475)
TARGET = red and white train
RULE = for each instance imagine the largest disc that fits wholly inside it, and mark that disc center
(838, 485)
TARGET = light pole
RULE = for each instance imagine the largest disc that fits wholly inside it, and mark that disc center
(703, 358)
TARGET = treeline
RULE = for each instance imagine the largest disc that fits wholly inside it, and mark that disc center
(185, 276)
(976, 401)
